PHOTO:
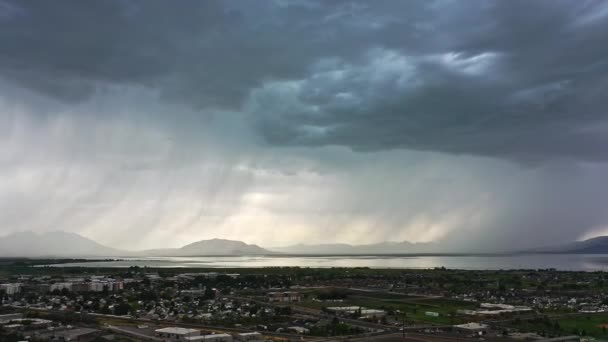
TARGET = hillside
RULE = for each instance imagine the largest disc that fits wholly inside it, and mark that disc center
(65, 244)
(596, 245)
(50, 244)
(209, 247)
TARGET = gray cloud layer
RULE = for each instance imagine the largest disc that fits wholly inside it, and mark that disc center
(514, 79)
(239, 119)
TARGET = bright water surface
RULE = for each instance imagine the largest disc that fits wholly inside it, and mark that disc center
(557, 261)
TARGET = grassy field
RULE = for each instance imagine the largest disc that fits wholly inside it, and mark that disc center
(414, 307)
(587, 324)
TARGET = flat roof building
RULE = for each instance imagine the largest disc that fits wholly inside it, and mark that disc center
(79, 334)
(211, 337)
(249, 336)
(472, 327)
(175, 333)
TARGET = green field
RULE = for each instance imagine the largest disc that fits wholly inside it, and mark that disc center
(584, 324)
(415, 308)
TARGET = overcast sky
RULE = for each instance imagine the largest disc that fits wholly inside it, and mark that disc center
(144, 124)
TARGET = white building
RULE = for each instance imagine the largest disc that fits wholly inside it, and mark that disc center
(298, 330)
(96, 286)
(473, 327)
(175, 333)
(60, 286)
(11, 289)
(249, 336)
(212, 337)
(344, 309)
(372, 313)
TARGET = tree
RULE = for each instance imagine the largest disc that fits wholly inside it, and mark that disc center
(122, 309)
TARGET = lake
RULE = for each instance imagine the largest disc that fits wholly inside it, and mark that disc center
(567, 262)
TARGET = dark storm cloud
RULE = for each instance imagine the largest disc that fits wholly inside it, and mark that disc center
(523, 80)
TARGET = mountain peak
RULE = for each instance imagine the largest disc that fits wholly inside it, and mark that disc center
(221, 247)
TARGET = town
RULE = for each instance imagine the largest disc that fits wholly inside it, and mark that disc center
(282, 304)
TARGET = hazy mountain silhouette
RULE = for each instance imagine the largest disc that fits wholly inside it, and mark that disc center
(65, 244)
(209, 247)
(57, 243)
(62, 244)
(596, 245)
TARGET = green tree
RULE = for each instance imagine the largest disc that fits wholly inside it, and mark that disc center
(122, 309)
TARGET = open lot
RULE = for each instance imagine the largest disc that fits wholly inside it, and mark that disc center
(415, 308)
(592, 324)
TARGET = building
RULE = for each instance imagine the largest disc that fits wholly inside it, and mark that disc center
(344, 309)
(10, 289)
(117, 285)
(97, 286)
(81, 287)
(490, 309)
(60, 286)
(298, 330)
(249, 336)
(571, 338)
(79, 334)
(472, 328)
(372, 313)
(42, 288)
(284, 297)
(175, 333)
(212, 337)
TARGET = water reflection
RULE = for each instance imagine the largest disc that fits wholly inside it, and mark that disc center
(557, 261)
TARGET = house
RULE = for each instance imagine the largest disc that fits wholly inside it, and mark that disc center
(175, 333)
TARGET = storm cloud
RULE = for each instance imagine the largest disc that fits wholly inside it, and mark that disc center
(464, 122)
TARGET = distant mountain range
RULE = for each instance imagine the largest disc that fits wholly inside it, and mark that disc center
(59, 243)
(64, 244)
(209, 247)
(596, 245)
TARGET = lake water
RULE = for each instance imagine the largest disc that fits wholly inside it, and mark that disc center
(567, 262)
